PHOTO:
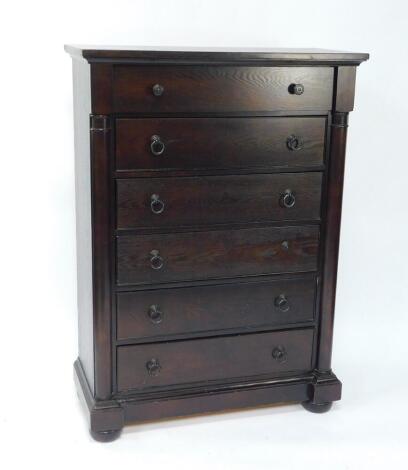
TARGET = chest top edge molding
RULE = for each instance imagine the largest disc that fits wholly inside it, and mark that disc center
(128, 54)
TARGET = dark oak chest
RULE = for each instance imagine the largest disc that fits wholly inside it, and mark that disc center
(209, 188)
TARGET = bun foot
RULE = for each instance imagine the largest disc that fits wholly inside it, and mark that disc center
(105, 436)
(317, 407)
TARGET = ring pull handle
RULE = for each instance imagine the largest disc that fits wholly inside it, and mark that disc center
(153, 367)
(294, 142)
(287, 199)
(296, 89)
(156, 261)
(156, 205)
(156, 145)
(155, 314)
(282, 303)
(279, 354)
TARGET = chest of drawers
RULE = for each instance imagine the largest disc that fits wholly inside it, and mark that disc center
(208, 192)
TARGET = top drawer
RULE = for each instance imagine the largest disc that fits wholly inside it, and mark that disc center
(202, 89)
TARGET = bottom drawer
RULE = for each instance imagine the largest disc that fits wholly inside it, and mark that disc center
(185, 362)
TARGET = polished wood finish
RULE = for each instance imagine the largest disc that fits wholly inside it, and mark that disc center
(209, 188)
(220, 89)
(223, 358)
(100, 129)
(220, 143)
(212, 200)
(345, 78)
(215, 309)
(217, 254)
(332, 236)
(101, 89)
(272, 56)
(105, 417)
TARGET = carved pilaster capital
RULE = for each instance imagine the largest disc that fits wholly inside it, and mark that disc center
(99, 123)
(340, 120)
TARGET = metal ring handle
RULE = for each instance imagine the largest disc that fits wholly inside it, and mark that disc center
(156, 145)
(282, 303)
(156, 261)
(156, 205)
(153, 367)
(155, 314)
(294, 142)
(287, 199)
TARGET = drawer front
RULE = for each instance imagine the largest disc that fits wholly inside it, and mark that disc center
(219, 143)
(185, 362)
(209, 200)
(145, 259)
(203, 309)
(221, 89)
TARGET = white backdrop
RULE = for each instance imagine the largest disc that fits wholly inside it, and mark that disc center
(40, 419)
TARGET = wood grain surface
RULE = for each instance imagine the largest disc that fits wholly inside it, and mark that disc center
(220, 89)
(224, 358)
(214, 309)
(216, 254)
(209, 200)
(220, 143)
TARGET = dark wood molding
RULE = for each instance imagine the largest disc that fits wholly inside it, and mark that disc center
(325, 388)
(105, 417)
(109, 416)
(215, 55)
(100, 132)
(230, 399)
(331, 237)
(339, 120)
(99, 123)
